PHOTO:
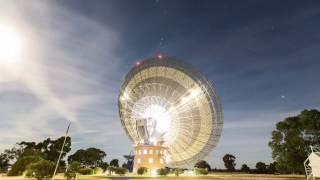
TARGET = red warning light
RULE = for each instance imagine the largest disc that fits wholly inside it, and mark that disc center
(160, 56)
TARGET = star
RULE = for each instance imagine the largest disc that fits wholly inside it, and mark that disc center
(283, 97)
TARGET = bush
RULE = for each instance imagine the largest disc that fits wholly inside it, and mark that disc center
(104, 166)
(85, 171)
(70, 175)
(163, 171)
(72, 170)
(261, 168)
(201, 171)
(202, 164)
(20, 166)
(120, 170)
(42, 169)
(142, 170)
(178, 171)
(74, 166)
(245, 168)
(98, 170)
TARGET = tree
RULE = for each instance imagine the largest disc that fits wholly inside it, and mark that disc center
(72, 170)
(21, 165)
(74, 166)
(104, 166)
(48, 149)
(125, 165)
(91, 157)
(261, 167)
(41, 169)
(14, 153)
(4, 162)
(291, 140)
(202, 164)
(229, 162)
(114, 163)
(8, 156)
(272, 168)
(245, 168)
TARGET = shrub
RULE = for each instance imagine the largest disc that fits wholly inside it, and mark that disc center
(72, 170)
(70, 175)
(104, 166)
(142, 170)
(261, 168)
(20, 166)
(178, 171)
(85, 171)
(120, 170)
(74, 166)
(42, 169)
(245, 168)
(98, 170)
(201, 171)
(202, 164)
(111, 169)
(163, 171)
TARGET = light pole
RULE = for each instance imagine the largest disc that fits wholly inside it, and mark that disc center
(61, 151)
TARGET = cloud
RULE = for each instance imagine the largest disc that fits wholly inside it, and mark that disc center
(69, 68)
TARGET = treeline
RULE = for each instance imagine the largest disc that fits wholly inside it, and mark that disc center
(39, 160)
(290, 143)
(230, 166)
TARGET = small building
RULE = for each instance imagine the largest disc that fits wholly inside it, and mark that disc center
(149, 156)
(312, 164)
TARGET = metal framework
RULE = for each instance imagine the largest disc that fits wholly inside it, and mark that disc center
(196, 118)
(312, 164)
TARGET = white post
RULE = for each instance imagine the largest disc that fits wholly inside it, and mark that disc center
(64, 142)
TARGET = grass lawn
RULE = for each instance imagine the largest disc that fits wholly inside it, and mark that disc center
(214, 176)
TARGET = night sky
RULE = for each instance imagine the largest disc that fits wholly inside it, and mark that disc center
(263, 58)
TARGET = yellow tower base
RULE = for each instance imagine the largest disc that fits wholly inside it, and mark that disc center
(149, 156)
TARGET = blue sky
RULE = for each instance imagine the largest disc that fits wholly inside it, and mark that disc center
(262, 57)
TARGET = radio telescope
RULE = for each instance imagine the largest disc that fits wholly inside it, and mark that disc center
(170, 112)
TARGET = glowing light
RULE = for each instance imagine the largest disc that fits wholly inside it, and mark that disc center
(189, 173)
(167, 159)
(124, 97)
(193, 93)
(10, 45)
(150, 160)
(154, 173)
(160, 56)
(138, 63)
(153, 140)
(160, 115)
(10, 53)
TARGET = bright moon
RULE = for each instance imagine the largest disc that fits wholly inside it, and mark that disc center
(10, 53)
(10, 45)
